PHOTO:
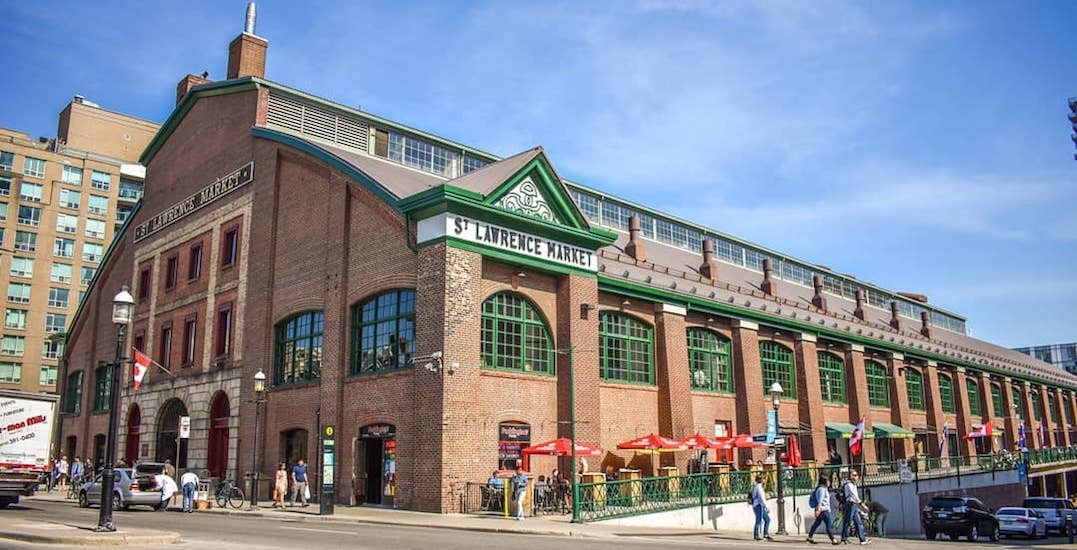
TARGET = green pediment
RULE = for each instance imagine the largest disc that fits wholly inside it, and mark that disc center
(535, 190)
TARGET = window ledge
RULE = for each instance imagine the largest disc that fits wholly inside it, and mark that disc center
(715, 393)
(518, 375)
(628, 386)
(379, 374)
(295, 385)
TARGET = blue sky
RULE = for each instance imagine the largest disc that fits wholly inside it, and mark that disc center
(919, 146)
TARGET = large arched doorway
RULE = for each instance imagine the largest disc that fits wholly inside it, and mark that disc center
(217, 462)
(134, 423)
(169, 445)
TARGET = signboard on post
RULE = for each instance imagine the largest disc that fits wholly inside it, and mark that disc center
(772, 425)
(185, 427)
(325, 503)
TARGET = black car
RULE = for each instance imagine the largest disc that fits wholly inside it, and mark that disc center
(957, 517)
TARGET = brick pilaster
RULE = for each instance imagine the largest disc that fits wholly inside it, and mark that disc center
(966, 447)
(899, 402)
(1010, 414)
(1071, 397)
(810, 397)
(674, 380)
(1048, 424)
(577, 327)
(935, 416)
(856, 383)
(1061, 426)
(748, 380)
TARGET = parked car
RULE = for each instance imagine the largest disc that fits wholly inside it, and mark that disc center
(1021, 521)
(126, 492)
(1054, 510)
(957, 517)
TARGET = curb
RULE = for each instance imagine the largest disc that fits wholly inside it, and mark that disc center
(96, 539)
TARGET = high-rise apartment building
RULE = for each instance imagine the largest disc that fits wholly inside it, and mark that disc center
(1063, 356)
(61, 201)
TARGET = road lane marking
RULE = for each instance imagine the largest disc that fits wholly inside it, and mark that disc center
(320, 530)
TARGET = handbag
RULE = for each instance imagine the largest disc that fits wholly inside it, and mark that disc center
(306, 492)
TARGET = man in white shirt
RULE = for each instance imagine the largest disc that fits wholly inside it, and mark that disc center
(853, 504)
(189, 483)
(168, 488)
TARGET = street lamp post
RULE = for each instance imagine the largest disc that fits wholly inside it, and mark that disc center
(776, 401)
(122, 305)
(259, 398)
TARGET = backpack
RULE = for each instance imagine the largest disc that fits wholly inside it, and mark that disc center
(841, 495)
(813, 501)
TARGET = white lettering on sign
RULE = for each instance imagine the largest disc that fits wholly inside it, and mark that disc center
(495, 236)
(185, 427)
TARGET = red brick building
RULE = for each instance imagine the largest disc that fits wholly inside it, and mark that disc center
(421, 297)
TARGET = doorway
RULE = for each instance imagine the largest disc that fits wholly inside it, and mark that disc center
(376, 464)
(169, 445)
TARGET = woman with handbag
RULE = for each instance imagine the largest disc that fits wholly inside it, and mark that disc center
(820, 502)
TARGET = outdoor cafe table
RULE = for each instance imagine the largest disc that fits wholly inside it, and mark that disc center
(722, 470)
(595, 492)
(671, 484)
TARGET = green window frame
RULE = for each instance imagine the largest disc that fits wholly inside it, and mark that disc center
(946, 394)
(1037, 405)
(1052, 407)
(975, 403)
(778, 366)
(73, 393)
(997, 405)
(710, 360)
(1017, 401)
(298, 348)
(102, 388)
(515, 336)
(1068, 405)
(832, 377)
(383, 332)
(626, 348)
(878, 385)
(914, 386)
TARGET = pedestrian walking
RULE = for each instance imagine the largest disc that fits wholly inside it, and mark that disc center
(280, 486)
(519, 491)
(853, 506)
(77, 469)
(299, 482)
(820, 502)
(189, 482)
(877, 512)
(61, 471)
(758, 500)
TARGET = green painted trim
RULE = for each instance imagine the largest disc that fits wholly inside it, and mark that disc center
(193, 95)
(565, 210)
(509, 257)
(333, 160)
(617, 285)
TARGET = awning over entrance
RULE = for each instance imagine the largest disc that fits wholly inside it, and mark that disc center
(892, 431)
(842, 430)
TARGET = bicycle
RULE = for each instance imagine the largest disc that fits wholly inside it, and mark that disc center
(74, 487)
(229, 493)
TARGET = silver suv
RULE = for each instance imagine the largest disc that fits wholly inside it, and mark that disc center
(1055, 511)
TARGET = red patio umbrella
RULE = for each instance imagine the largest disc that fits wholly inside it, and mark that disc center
(697, 441)
(562, 446)
(652, 443)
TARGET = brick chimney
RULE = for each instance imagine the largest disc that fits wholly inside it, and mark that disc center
(247, 52)
(818, 300)
(925, 324)
(709, 269)
(768, 285)
(859, 312)
(895, 322)
(634, 247)
(188, 82)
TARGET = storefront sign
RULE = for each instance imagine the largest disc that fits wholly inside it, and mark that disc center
(328, 458)
(512, 438)
(223, 186)
(495, 236)
(185, 427)
(377, 431)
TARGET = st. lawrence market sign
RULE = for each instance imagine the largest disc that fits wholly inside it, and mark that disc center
(511, 240)
(223, 186)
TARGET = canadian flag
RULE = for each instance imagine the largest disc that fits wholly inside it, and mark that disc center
(141, 365)
(982, 431)
(856, 441)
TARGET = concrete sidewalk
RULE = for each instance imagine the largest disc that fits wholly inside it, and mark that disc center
(44, 532)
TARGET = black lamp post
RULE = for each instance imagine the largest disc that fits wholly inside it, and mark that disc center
(122, 305)
(259, 398)
(776, 401)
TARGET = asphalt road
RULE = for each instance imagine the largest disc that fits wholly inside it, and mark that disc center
(203, 531)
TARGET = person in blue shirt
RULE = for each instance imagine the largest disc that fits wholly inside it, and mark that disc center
(495, 482)
(822, 510)
(519, 490)
(759, 507)
(76, 469)
(299, 482)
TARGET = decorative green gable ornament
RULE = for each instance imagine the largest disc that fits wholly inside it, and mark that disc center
(525, 198)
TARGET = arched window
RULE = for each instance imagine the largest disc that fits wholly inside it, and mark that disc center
(709, 361)
(946, 394)
(975, 405)
(627, 349)
(514, 335)
(1037, 405)
(878, 385)
(299, 348)
(997, 407)
(778, 366)
(914, 385)
(217, 455)
(383, 332)
(832, 377)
